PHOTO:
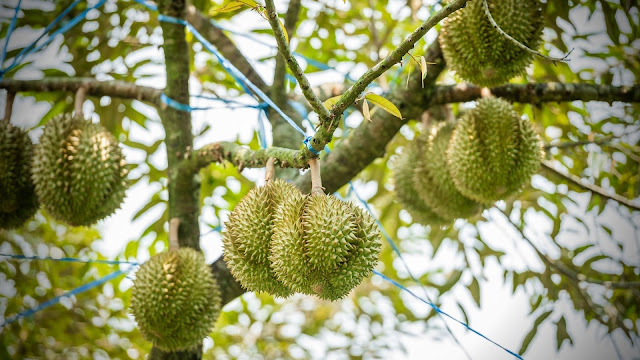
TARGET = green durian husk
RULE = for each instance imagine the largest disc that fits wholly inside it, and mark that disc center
(175, 299)
(248, 236)
(323, 246)
(79, 171)
(493, 152)
(405, 191)
(479, 53)
(18, 201)
(432, 179)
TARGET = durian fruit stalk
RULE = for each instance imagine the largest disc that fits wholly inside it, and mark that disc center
(18, 201)
(321, 245)
(478, 52)
(432, 179)
(248, 236)
(403, 172)
(493, 152)
(78, 171)
(175, 299)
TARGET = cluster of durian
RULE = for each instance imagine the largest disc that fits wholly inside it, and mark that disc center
(175, 299)
(281, 241)
(452, 172)
(478, 52)
(76, 172)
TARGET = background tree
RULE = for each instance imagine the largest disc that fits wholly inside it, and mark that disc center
(574, 231)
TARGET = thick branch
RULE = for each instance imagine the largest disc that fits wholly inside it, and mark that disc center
(395, 57)
(226, 47)
(119, 89)
(535, 93)
(242, 157)
(567, 271)
(576, 180)
(283, 46)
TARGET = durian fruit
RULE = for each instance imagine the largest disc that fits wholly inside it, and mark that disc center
(79, 171)
(175, 299)
(478, 52)
(403, 172)
(18, 201)
(493, 152)
(247, 238)
(432, 179)
(323, 246)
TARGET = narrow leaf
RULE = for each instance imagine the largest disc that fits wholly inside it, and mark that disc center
(384, 104)
(561, 333)
(423, 68)
(284, 30)
(365, 110)
(532, 333)
(234, 5)
(474, 289)
(331, 101)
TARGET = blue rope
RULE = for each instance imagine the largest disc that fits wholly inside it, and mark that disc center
(395, 248)
(438, 310)
(55, 300)
(69, 259)
(31, 49)
(262, 117)
(9, 32)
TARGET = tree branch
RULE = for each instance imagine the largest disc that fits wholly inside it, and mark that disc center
(536, 93)
(242, 157)
(283, 46)
(395, 57)
(368, 141)
(119, 89)
(278, 93)
(576, 180)
(226, 47)
(568, 272)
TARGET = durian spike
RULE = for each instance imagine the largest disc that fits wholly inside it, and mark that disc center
(316, 178)
(81, 95)
(174, 224)
(8, 108)
(270, 170)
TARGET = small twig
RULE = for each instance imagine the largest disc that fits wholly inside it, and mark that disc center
(572, 144)
(316, 178)
(270, 169)
(174, 224)
(516, 42)
(8, 107)
(576, 180)
(81, 95)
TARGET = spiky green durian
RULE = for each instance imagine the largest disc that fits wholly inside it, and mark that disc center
(78, 171)
(403, 170)
(493, 152)
(478, 52)
(18, 201)
(432, 179)
(175, 299)
(323, 246)
(247, 238)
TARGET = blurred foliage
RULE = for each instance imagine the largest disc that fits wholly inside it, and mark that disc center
(574, 230)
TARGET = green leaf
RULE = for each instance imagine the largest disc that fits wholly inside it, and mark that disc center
(284, 30)
(330, 102)
(451, 281)
(561, 333)
(532, 333)
(474, 289)
(234, 5)
(384, 104)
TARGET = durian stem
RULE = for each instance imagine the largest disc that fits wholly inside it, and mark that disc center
(316, 178)
(8, 107)
(81, 95)
(522, 46)
(174, 224)
(485, 92)
(270, 170)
